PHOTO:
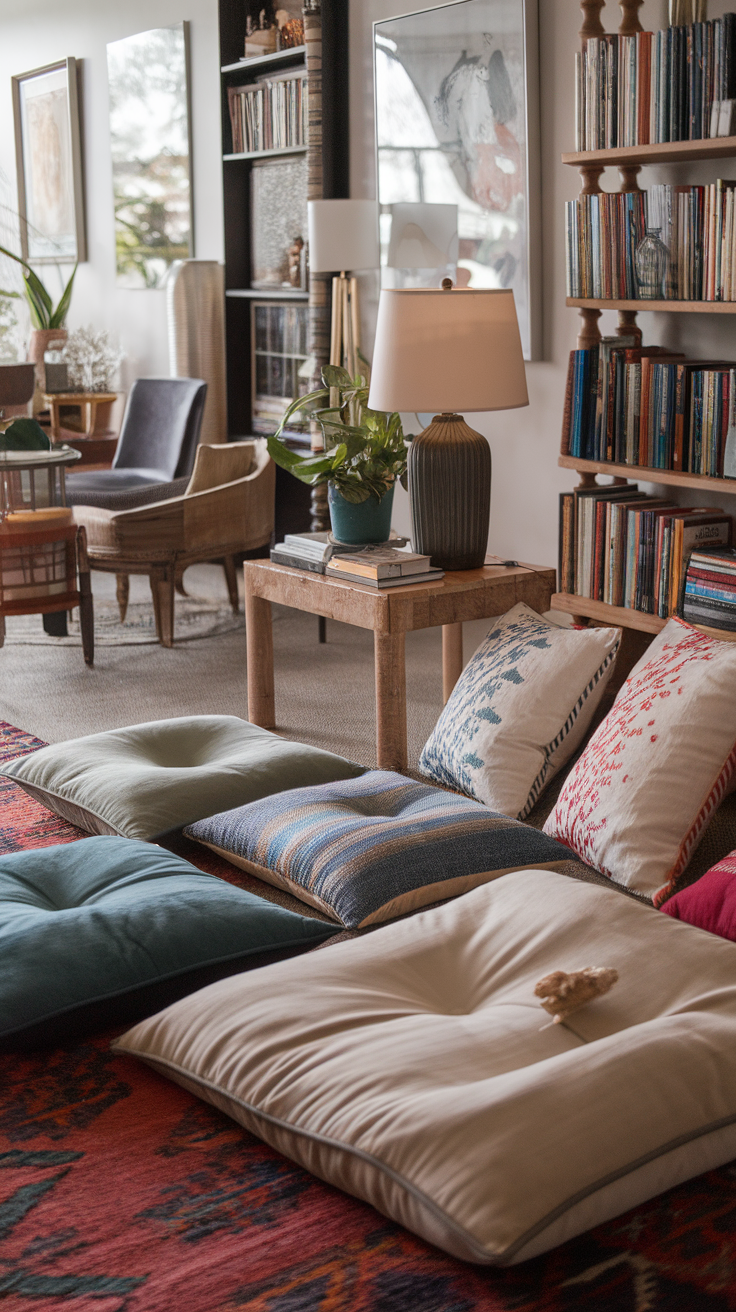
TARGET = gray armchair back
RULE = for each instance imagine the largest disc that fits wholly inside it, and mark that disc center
(161, 426)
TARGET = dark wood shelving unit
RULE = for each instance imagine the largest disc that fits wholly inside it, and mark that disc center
(292, 497)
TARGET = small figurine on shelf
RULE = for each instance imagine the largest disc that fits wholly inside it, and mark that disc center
(290, 30)
(296, 263)
(260, 34)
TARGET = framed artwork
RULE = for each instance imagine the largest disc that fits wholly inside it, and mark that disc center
(49, 164)
(457, 124)
(148, 76)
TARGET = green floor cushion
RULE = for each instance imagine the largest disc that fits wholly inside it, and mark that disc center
(416, 1069)
(149, 778)
(107, 930)
(365, 850)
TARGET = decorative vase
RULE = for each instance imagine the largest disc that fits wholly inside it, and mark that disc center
(652, 258)
(450, 493)
(362, 521)
(42, 339)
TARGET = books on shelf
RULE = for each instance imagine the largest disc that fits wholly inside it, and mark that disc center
(650, 407)
(697, 224)
(709, 594)
(269, 114)
(678, 84)
(626, 549)
(310, 551)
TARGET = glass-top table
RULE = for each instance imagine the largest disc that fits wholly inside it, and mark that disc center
(32, 479)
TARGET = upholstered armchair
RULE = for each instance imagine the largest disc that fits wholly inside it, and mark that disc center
(227, 508)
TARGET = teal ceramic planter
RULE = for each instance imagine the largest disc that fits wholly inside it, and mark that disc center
(362, 521)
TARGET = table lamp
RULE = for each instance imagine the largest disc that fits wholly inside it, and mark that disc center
(448, 350)
(343, 234)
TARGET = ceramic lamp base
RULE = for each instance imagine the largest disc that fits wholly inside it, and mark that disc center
(450, 493)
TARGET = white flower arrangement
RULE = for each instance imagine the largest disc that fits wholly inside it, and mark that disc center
(90, 359)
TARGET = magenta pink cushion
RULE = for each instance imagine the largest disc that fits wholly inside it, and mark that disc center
(711, 902)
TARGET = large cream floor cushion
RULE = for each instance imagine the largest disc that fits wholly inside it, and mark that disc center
(416, 1069)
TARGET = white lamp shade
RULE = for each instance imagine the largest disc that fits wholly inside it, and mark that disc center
(343, 234)
(423, 236)
(456, 350)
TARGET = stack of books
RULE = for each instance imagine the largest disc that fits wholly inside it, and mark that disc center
(650, 407)
(697, 224)
(311, 551)
(269, 115)
(383, 567)
(677, 84)
(710, 589)
(626, 549)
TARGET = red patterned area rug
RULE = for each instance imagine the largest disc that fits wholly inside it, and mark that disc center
(120, 1192)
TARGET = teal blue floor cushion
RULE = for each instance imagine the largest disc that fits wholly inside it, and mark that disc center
(99, 931)
(365, 850)
(146, 779)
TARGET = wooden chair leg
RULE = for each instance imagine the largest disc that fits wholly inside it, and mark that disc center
(122, 592)
(86, 606)
(231, 578)
(162, 591)
(2, 630)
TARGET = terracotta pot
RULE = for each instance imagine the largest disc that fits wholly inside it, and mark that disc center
(42, 339)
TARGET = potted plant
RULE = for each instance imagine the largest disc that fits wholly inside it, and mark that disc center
(48, 319)
(364, 454)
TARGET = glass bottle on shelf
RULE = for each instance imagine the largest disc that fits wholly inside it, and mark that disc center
(651, 258)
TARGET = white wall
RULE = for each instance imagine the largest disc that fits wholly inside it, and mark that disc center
(525, 443)
(38, 32)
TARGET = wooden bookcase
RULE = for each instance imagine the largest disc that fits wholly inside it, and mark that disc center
(326, 153)
(629, 160)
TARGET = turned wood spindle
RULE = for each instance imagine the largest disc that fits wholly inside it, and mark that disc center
(590, 333)
(629, 175)
(592, 25)
(628, 327)
(630, 24)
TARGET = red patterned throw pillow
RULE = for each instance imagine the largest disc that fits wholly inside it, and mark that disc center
(637, 802)
(709, 903)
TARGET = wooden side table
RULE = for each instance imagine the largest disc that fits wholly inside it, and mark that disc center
(391, 613)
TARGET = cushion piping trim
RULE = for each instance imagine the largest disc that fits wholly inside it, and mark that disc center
(500, 1257)
(161, 979)
(556, 742)
(50, 793)
(692, 837)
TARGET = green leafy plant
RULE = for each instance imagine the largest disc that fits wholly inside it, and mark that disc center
(43, 313)
(365, 451)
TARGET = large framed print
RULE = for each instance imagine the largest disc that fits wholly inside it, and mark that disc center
(48, 157)
(148, 77)
(457, 123)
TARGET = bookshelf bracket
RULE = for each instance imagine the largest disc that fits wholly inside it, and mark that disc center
(630, 24)
(590, 333)
(592, 25)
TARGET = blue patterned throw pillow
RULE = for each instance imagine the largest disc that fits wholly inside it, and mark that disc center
(365, 850)
(520, 709)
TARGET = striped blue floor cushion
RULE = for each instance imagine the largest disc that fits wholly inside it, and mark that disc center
(365, 850)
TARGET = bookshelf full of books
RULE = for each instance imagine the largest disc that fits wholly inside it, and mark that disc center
(643, 413)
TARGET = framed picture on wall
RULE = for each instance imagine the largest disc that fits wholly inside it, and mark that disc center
(457, 124)
(49, 164)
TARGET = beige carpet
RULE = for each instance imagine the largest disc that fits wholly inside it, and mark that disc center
(324, 694)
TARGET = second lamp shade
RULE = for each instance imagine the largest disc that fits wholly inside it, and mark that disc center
(442, 351)
(343, 234)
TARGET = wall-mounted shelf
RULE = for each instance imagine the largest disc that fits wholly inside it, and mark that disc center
(266, 154)
(270, 294)
(601, 612)
(672, 477)
(276, 59)
(664, 152)
(678, 307)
